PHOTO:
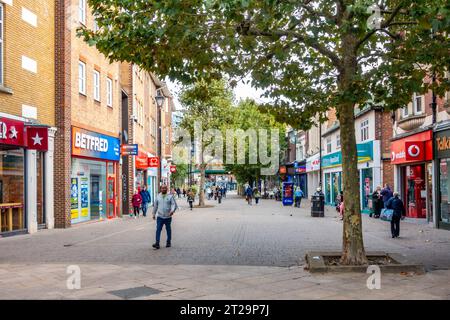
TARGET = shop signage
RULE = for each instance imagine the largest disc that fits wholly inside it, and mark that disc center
(129, 149)
(12, 132)
(443, 144)
(37, 138)
(153, 162)
(283, 170)
(288, 193)
(94, 145)
(414, 148)
(313, 163)
(364, 150)
(173, 169)
(300, 169)
(141, 161)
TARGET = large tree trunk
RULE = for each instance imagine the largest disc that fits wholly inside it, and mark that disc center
(353, 252)
(201, 193)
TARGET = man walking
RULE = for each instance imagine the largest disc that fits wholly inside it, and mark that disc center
(298, 197)
(249, 195)
(396, 204)
(146, 199)
(386, 193)
(163, 210)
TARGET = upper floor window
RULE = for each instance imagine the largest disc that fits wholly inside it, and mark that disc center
(82, 77)
(96, 85)
(1, 43)
(417, 104)
(82, 11)
(338, 141)
(365, 130)
(95, 27)
(329, 145)
(109, 92)
(405, 112)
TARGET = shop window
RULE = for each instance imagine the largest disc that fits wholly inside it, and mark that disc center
(11, 190)
(444, 189)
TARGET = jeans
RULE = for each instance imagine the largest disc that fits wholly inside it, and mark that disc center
(160, 222)
(191, 204)
(395, 225)
(144, 208)
(256, 200)
(298, 201)
(136, 211)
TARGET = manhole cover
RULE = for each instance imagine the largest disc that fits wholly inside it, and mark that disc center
(136, 292)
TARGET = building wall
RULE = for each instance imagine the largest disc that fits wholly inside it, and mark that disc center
(28, 64)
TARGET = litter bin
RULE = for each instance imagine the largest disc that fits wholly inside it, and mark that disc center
(318, 205)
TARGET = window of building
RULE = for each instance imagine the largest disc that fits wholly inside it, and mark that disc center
(167, 136)
(365, 130)
(1, 43)
(329, 145)
(82, 77)
(338, 141)
(96, 85)
(417, 103)
(405, 112)
(109, 92)
(95, 27)
(82, 11)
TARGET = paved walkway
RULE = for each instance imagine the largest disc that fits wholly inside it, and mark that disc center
(231, 251)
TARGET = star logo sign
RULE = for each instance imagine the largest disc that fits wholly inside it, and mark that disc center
(13, 132)
(37, 140)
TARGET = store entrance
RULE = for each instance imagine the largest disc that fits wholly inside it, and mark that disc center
(414, 191)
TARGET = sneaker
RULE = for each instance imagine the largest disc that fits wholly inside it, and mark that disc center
(155, 245)
(168, 245)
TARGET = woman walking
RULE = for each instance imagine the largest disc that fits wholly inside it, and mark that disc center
(190, 198)
(257, 195)
(136, 201)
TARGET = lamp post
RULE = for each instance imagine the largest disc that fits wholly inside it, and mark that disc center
(159, 103)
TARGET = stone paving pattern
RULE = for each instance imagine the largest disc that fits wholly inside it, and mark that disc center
(230, 251)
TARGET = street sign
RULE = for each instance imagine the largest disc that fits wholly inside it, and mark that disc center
(153, 162)
(173, 169)
(129, 149)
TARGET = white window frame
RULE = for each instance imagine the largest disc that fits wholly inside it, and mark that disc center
(82, 77)
(328, 145)
(405, 112)
(82, 11)
(2, 13)
(338, 141)
(95, 27)
(416, 112)
(96, 83)
(109, 92)
(364, 126)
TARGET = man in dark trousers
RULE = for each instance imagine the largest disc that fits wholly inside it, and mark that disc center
(163, 210)
(396, 204)
(146, 198)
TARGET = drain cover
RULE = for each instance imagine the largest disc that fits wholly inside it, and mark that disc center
(136, 292)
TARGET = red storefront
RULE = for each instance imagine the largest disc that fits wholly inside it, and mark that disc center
(412, 157)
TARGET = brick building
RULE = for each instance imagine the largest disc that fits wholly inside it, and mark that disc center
(88, 117)
(27, 116)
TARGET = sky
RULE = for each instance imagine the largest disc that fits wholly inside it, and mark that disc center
(242, 91)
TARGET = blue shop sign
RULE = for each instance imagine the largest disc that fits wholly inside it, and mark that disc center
(91, 144)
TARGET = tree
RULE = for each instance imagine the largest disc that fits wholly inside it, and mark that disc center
(308, 56)
(209, 105)
(179, 176)
(248, 116)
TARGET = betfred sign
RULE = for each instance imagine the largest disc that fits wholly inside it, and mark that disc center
(12, 132)
(153, 162)
(37, 138)
(414, 148)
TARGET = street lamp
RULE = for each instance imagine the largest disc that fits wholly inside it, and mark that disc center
(159, 99)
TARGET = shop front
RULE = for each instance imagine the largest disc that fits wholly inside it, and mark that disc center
(369, 167)
(94, 176)
(301, 178)
(412, 158)
(312, 173)
(26, 175)
(442, 152)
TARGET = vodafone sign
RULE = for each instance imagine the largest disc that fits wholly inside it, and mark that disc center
(412, 149)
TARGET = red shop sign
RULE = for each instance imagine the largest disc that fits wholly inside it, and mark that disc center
(418, 147)
(37, 138)
(153, 162)
(12, 132)
(141, 160)
(173, 169)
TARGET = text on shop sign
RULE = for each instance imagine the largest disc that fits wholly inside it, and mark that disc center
(88, 142)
